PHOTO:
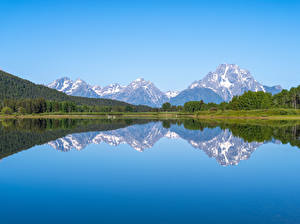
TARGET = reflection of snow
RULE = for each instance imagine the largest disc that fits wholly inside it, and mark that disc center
(138, 137)
(225, 148)
(216, 143)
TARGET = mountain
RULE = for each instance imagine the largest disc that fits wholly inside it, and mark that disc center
(13, 87)
(227, 81)
(138, 92)
(221, 85)
(142, 92)
(273, 89)
(230, 80)
(77, 88)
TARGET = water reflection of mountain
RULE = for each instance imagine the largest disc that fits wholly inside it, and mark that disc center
(139, 137)
(228, 143)
(216, 143)
(21, 134)
(219, 144)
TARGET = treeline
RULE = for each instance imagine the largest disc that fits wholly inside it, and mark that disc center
(40, 105)
(289, 99)
(261, 100)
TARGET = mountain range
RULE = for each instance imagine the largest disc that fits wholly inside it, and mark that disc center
(226, 81)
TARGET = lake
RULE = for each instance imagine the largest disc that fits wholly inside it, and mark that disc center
(149, 171)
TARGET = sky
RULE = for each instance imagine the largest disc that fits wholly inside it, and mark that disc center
(171, 43)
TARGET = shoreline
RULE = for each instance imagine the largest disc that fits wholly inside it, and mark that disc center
(160, 115)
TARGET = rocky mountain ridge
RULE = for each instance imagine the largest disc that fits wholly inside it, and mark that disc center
(225, 82)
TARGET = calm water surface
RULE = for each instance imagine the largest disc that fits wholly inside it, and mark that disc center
(146, 171)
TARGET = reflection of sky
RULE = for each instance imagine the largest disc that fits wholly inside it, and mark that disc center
(171, 183)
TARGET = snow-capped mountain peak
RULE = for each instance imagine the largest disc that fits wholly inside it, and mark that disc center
(144, 92)
(110, 90)
(140, 82)
(229, 80)
(61, 84)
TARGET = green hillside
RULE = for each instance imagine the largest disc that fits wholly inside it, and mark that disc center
(13, 87)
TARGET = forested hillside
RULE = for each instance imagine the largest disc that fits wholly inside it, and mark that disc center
(13, 87)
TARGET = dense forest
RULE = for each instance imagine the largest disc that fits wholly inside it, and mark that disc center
(40, 105)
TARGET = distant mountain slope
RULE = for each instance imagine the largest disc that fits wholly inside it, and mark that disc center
(273, 89)
(14, 87)
(196, 94)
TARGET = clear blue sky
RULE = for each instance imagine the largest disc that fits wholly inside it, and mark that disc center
(171, 43)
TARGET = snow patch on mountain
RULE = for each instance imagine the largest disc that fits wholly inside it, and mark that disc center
(170, 94)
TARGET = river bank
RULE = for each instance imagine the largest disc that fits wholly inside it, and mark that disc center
(281, 114)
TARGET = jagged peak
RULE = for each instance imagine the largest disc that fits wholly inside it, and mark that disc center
(222, 69)
(225, 65)
(61, 81)
(78, 80)
(139, 80)
(65, 78)
(114, 84)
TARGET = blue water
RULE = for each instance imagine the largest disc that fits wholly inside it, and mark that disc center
(171, 182)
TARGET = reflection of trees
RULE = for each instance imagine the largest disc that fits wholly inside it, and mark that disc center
(285, 134)
(288, 135)
(251, 133)
(20, 134)
(284, 131)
